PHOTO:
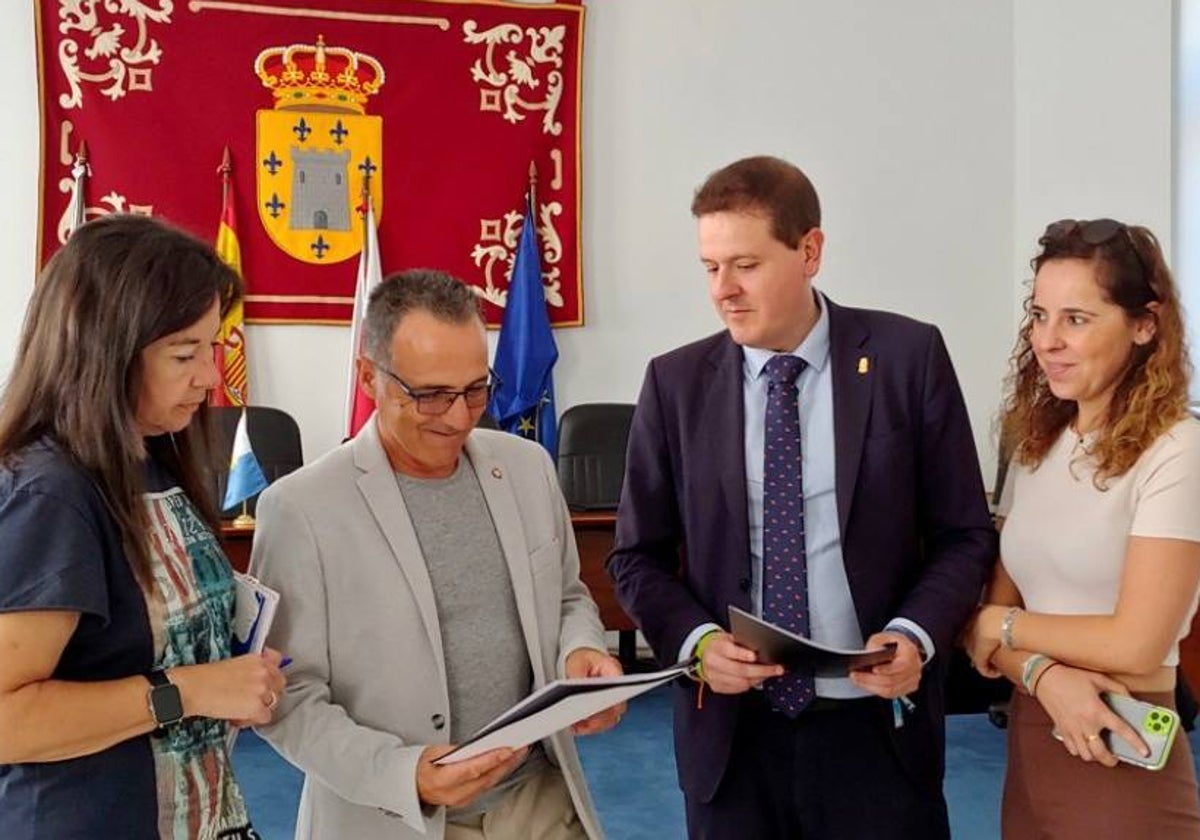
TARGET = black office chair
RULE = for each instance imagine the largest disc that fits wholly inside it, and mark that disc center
(274, 437)
(592, 438)
(967, 691)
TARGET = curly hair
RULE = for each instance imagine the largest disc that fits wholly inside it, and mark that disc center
(1152, 392)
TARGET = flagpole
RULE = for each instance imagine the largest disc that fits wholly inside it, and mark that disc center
(361, 292)
(225, 170)
(80, 171)
(532, 186)
(366, 203)
(531, 219)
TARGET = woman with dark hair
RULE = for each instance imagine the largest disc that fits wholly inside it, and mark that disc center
(1100, 543)
(116, 682)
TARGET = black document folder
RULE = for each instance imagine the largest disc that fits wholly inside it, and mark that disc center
(776, 646)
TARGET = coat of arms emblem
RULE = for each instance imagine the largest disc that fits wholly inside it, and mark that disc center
(318, 149)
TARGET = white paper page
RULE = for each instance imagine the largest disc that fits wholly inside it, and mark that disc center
(583, 698)
(254, 605)
(253, 613)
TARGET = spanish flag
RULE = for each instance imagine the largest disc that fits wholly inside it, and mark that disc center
(230, 350)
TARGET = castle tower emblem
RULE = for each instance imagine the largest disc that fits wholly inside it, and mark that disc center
(317, 147)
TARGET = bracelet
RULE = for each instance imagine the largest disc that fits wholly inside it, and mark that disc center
(1031, 665)
(1038, 678)
(1006, 627)
(699, 654)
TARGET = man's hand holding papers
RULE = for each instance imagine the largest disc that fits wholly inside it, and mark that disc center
(458, 784)
(895, 678)
(589, 662)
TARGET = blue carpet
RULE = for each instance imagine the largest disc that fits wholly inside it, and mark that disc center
(631, 770)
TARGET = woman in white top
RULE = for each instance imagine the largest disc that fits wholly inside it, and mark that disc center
(1100, 547)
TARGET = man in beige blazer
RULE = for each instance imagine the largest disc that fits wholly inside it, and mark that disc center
(429, 579)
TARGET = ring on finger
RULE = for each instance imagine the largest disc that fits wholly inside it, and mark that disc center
(1093, 737)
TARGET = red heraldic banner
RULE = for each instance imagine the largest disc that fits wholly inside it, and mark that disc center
(435, 108)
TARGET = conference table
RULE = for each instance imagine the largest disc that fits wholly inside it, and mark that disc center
(593, 535)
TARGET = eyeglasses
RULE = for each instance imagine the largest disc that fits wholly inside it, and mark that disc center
(434, 401)
(1094, 232)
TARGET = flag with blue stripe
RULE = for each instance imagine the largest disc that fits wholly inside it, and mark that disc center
(245, 475)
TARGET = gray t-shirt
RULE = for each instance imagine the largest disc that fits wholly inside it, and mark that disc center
(487, 660)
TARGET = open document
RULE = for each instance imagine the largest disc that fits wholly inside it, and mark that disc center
(254, 605)
(556, 706)
(776, 646)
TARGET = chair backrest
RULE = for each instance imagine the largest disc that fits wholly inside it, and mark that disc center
(1003, 456)
(592, 438)
(274, 437)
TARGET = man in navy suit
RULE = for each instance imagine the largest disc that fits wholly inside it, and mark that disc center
(889, 540)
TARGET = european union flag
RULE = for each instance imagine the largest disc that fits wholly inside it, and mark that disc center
(523, 402)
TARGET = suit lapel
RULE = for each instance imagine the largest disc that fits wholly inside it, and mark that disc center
(852, 373)
(380, 491)
(728, 453)
(506, 516)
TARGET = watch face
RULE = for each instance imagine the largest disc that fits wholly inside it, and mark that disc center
(167, 704)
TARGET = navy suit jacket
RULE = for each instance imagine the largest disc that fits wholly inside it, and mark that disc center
(917, 538)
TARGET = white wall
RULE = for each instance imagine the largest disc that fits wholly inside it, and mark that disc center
(900, 112)
(18, 173)
(1187, 170)
(1093, 83)
(941, 135)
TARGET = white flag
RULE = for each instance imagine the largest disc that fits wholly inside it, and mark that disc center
(370, 275)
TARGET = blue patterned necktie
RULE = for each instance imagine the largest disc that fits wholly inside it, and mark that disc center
(785, 566)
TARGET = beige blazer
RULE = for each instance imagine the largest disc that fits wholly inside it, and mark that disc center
(367, 685)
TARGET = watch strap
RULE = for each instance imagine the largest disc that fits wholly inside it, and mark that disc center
(158, 677)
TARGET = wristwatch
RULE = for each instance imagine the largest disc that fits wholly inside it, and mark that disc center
(166, 704)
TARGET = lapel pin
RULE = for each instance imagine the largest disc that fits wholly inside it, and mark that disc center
(497, 472)
(864, 366)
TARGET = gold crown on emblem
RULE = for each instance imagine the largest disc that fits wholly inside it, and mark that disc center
(316, 76)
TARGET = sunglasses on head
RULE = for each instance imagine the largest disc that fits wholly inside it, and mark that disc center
(1091, 231)
(1094, 232)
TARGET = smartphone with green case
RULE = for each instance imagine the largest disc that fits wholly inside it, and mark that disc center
(1156, 724)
